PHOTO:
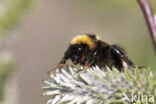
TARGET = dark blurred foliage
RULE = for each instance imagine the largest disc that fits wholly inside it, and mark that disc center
(10, 15)
(7, 64)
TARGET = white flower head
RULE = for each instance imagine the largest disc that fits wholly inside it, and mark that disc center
(94, 86)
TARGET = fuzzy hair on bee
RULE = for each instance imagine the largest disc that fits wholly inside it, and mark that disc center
(88, 51)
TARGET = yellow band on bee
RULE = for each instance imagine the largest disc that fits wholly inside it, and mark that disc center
(85, 40)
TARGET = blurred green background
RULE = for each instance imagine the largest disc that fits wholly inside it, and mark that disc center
(39, 40)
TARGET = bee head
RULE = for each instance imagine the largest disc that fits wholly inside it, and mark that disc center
(75, 52)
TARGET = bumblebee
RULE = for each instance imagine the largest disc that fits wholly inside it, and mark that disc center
(88, 51)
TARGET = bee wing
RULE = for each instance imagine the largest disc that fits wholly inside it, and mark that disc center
(120, 52)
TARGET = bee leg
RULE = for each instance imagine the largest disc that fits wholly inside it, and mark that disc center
(51, 70)
(141, 67)
(60, 65)
(88, 64)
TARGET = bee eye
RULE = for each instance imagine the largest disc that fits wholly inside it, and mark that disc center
(95, 53)
(79, 49)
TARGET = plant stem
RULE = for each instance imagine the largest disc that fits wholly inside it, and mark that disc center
(149, 17)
